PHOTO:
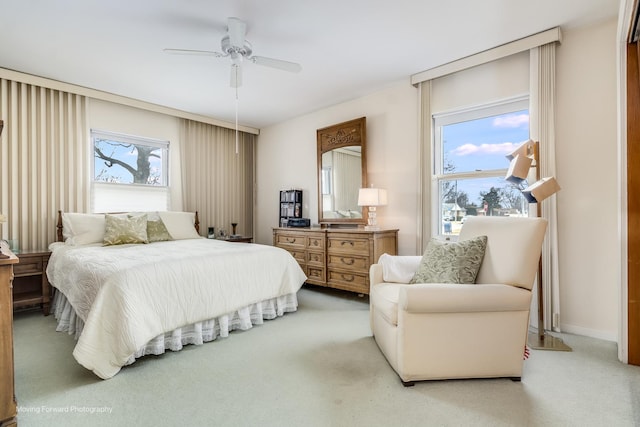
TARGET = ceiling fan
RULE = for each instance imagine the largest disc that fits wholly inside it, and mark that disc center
(235, 46)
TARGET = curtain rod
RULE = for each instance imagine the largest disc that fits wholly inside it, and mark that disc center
(517, 46)
(118, 99)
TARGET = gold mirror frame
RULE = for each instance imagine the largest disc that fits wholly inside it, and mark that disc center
(340, 136)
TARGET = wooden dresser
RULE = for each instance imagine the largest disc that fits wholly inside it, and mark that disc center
(8, 406)
(308, 248)
(337, 258)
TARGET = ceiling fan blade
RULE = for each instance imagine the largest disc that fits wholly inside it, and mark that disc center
(276, 63)
(193, 52)
(236, 75)
(237, 30)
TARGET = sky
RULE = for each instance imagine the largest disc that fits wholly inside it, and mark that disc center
(483, 144)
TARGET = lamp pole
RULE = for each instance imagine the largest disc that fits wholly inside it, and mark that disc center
(542, 341)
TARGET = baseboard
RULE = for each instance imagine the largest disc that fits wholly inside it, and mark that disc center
(591, 333)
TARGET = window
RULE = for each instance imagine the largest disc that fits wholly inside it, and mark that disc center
(470, 164)
(130, 173)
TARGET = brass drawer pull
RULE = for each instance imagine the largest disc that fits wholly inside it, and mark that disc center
(344, 242)
(290, 240)
(348, 261)
(348, 277)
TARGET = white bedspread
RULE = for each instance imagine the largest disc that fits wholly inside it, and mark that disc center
(126, 295)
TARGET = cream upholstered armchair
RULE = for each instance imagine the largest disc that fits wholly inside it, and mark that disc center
(431, 331)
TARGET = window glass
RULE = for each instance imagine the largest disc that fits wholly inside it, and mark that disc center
(482, 144)
(470, 164)
(123, 159)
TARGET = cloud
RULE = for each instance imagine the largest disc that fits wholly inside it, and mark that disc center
(511, 121)
(503, 148)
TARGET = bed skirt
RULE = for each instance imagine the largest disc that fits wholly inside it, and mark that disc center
(197, 333)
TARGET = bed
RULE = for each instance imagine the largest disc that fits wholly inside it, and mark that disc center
(128, 299)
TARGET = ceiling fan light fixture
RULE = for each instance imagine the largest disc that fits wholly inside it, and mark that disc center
(244, 49)
(236, 59)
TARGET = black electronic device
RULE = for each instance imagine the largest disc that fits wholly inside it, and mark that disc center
(298, 222)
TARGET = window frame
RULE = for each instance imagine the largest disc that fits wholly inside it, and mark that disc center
(135, 140)
(158, 193)
(440, 120)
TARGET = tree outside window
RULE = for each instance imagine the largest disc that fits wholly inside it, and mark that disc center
(121, 159)
(130, 173)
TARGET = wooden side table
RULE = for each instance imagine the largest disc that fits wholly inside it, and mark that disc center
(8, 406)
(30, 283)
(239, 239)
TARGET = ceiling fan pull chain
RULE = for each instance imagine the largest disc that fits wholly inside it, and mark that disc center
(236, 116)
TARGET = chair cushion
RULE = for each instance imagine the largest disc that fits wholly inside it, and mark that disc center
(384, 297)
(451, 262)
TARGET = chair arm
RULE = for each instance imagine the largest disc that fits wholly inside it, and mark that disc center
(375, 275)
(454, 298)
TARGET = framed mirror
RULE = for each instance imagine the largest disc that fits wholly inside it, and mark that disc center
(342, 171)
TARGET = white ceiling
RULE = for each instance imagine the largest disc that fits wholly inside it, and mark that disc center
(347, 48)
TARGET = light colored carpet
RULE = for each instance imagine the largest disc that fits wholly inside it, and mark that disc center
(316, 367)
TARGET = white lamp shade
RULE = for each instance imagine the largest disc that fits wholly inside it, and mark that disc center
(524, 149)
(518, 169)
(372, 197)
(540, 190)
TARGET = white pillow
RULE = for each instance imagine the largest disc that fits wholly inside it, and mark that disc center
(180, 225)
(399, 268)
(82, 228)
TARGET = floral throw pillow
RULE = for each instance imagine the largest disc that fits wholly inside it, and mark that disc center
(156, 231)
(120, 231)
(451, 262)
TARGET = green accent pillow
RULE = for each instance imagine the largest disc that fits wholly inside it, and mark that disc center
(451, 262)
(157, 231)
(120, 231)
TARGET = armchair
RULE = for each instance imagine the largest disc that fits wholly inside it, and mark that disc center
(433, 331)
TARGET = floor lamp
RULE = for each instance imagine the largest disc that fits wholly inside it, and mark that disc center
(523, 158)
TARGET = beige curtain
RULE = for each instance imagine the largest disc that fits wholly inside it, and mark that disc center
(346, 182)
(425, 159)
(217, 182)
(542, 128)
(44, 161)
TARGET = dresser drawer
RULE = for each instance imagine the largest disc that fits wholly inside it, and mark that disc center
(286, 240)
(28, 266)
(315, 243)
(350, 280)
(315, 258)
(315, 274)
(352, 246)
(348, 262)
(299, 255)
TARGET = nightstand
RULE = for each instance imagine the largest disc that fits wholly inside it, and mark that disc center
(30, 283)
(239, 239)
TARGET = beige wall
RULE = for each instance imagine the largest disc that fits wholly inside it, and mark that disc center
(586, 139)
(587, 169)
(286, 158)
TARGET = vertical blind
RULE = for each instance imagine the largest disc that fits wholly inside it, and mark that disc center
(216, 181)
(44, 161)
